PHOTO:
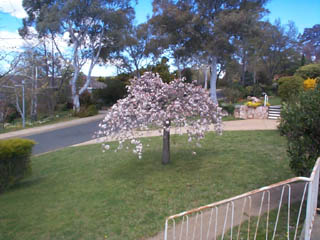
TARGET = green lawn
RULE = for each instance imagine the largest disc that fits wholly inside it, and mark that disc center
(275, 100)
(82, 193)
(61, 116)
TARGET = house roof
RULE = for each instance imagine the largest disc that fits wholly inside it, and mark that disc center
(94, 84)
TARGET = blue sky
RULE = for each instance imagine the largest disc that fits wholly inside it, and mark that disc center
(9, 23)
(305, 13)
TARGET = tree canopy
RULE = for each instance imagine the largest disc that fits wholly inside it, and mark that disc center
(88, 25)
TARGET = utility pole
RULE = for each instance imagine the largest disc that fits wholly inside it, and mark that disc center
(23, 104)
(23, 107)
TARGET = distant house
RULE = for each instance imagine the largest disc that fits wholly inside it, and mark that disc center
(95, 84)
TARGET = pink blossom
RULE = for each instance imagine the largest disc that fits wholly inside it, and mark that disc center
(151, 101)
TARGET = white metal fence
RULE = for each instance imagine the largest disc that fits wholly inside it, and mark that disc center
(284, 210)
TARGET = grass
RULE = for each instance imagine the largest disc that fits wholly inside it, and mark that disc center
(44, 120)
(230, 118)
(82, 193)
(281, 230)
(275, 100)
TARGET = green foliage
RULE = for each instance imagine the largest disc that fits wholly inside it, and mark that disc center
(309, 71)
(228, 107)
(87, 111)
(289, 87)
(232, 94)
(300, 121)
(254, 90)
(235, 92)
(14, 161)
(163, 69)
(187, 74)
(85, 99)
(115, 90)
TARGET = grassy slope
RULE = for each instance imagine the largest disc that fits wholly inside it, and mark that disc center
(82, 193)
(62, 116)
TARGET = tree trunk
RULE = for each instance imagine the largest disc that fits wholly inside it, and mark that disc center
(75, 94)
(243, 70)
(179, 69)
(213, 80)
(76, 103)
(166, 146)
(205, 73)
(34, 97)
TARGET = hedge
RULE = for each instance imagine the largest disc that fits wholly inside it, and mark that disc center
(289, 87)
(15, 161)
(300, 121)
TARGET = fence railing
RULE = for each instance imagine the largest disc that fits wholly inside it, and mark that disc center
(284, 210)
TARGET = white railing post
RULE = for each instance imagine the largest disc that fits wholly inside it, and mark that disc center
(266, 99)
(308, 221)
(312, 200)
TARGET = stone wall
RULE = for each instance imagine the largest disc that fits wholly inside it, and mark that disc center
(245, 112)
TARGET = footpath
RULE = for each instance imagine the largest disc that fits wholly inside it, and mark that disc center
(250, 124)
(236, 125)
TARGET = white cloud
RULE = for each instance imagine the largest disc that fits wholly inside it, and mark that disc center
(13, 7)
(100, 71)
(10, 41)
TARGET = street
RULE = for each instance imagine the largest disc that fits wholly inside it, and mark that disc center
(64, 137)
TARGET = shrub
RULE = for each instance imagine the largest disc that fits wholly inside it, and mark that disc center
(234, 94)
(309, 71)
(300, 121)
(289, 87)
(87, 111)
(14, 161)
(255, 104)
(114, 91)
(85, 99)
(254, 90)
(269, 89)
(310, 83)
(228, 107)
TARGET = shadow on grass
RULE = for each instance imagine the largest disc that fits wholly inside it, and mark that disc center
(182, 161)
(26, 184)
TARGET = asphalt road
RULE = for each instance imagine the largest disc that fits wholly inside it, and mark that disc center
(64, 137)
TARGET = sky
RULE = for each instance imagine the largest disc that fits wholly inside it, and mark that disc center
(304, 13)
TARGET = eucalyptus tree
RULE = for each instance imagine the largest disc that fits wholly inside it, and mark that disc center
(135, 52)
(88, 26)
(172, 24)
(201, 31)
(279, 50)
(243, 25)
(310, 40)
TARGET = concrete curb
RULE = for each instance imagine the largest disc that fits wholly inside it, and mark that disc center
(237, 125)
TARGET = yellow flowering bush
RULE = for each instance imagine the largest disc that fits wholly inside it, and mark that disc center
(310, 83)
(255, 104)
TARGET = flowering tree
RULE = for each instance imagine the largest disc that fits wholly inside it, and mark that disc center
(151, 101)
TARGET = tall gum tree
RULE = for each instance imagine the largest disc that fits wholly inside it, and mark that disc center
(201, 32)
(89, 26)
